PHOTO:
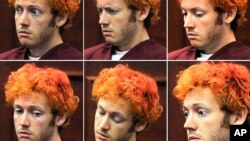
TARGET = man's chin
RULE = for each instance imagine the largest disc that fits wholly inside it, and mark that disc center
(197, 46)
(26, 44)
(112, 43)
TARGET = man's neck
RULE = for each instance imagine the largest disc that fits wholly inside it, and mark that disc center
(55, 136)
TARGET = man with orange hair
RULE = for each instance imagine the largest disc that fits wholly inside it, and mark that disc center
(127, 102)
(39, 25)
(125, 25)
(214, 96)
(210, 27)
(43, 102)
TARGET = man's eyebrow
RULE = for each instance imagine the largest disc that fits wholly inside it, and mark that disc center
(194, 106)
(35, 107)
(184, 108)
(29, 6)
(17, 106)
(99, 106)
(182, 8)
(197, 105)
(193, 9)
(30, 107)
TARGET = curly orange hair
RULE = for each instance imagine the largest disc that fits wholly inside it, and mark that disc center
(225, 5)
(229, 82)
(153, 13)
(133, 86)
(62, 6)
(53, 83)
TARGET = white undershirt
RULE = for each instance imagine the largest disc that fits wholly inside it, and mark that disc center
(118, 55)
(34, 58)
(203, 56)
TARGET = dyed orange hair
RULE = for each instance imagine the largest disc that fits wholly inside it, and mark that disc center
(229, 82)
(53, 83)
(61, 7)
(133, 86)
(153, 16)
(224, 5)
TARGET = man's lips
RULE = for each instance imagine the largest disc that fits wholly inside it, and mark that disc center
(192, 36)
(193, 138)
(24, 134)
(24, 33)
(102, 136)
(106, 32)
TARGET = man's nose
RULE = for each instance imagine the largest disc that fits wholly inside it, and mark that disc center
(190, 123)
(188, 21)
(24, 120)
(103, 18)
(105, 123)
(24, 19)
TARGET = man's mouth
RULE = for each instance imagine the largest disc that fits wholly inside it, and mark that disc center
(24, 33)
(24, 134)
(102, 136)
(106, 33)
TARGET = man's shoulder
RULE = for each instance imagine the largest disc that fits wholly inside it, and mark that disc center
(182, 54)
(64, 51)
(147, 50)
(233, 51)
(95, 48)
(97, 51)
(13, 54)
(155, 45)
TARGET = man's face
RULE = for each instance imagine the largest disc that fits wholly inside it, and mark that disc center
(35, 23)
(201, 23)
(33, 118)
(113, 121)
(118, 27)
(205, 121)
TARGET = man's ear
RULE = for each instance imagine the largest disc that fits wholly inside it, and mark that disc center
(143, 12)
(61, 19)
(60, 119)
(141, 125)
(230, 15)
(239, 117)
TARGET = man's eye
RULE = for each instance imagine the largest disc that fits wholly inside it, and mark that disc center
(184, 13)
(99, 10)
(199, 14)
(101, 112)
(36, 113)
(202, 112)
(118, 119)
(186, 113)
(18, 10)
(35, 12)
(18, 111)
(112, 11)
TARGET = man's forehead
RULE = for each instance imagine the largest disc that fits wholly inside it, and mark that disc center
(44, 3)
(200, 96)
(105, 3)
(117, 104)
(191, 4)
(32, 99)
